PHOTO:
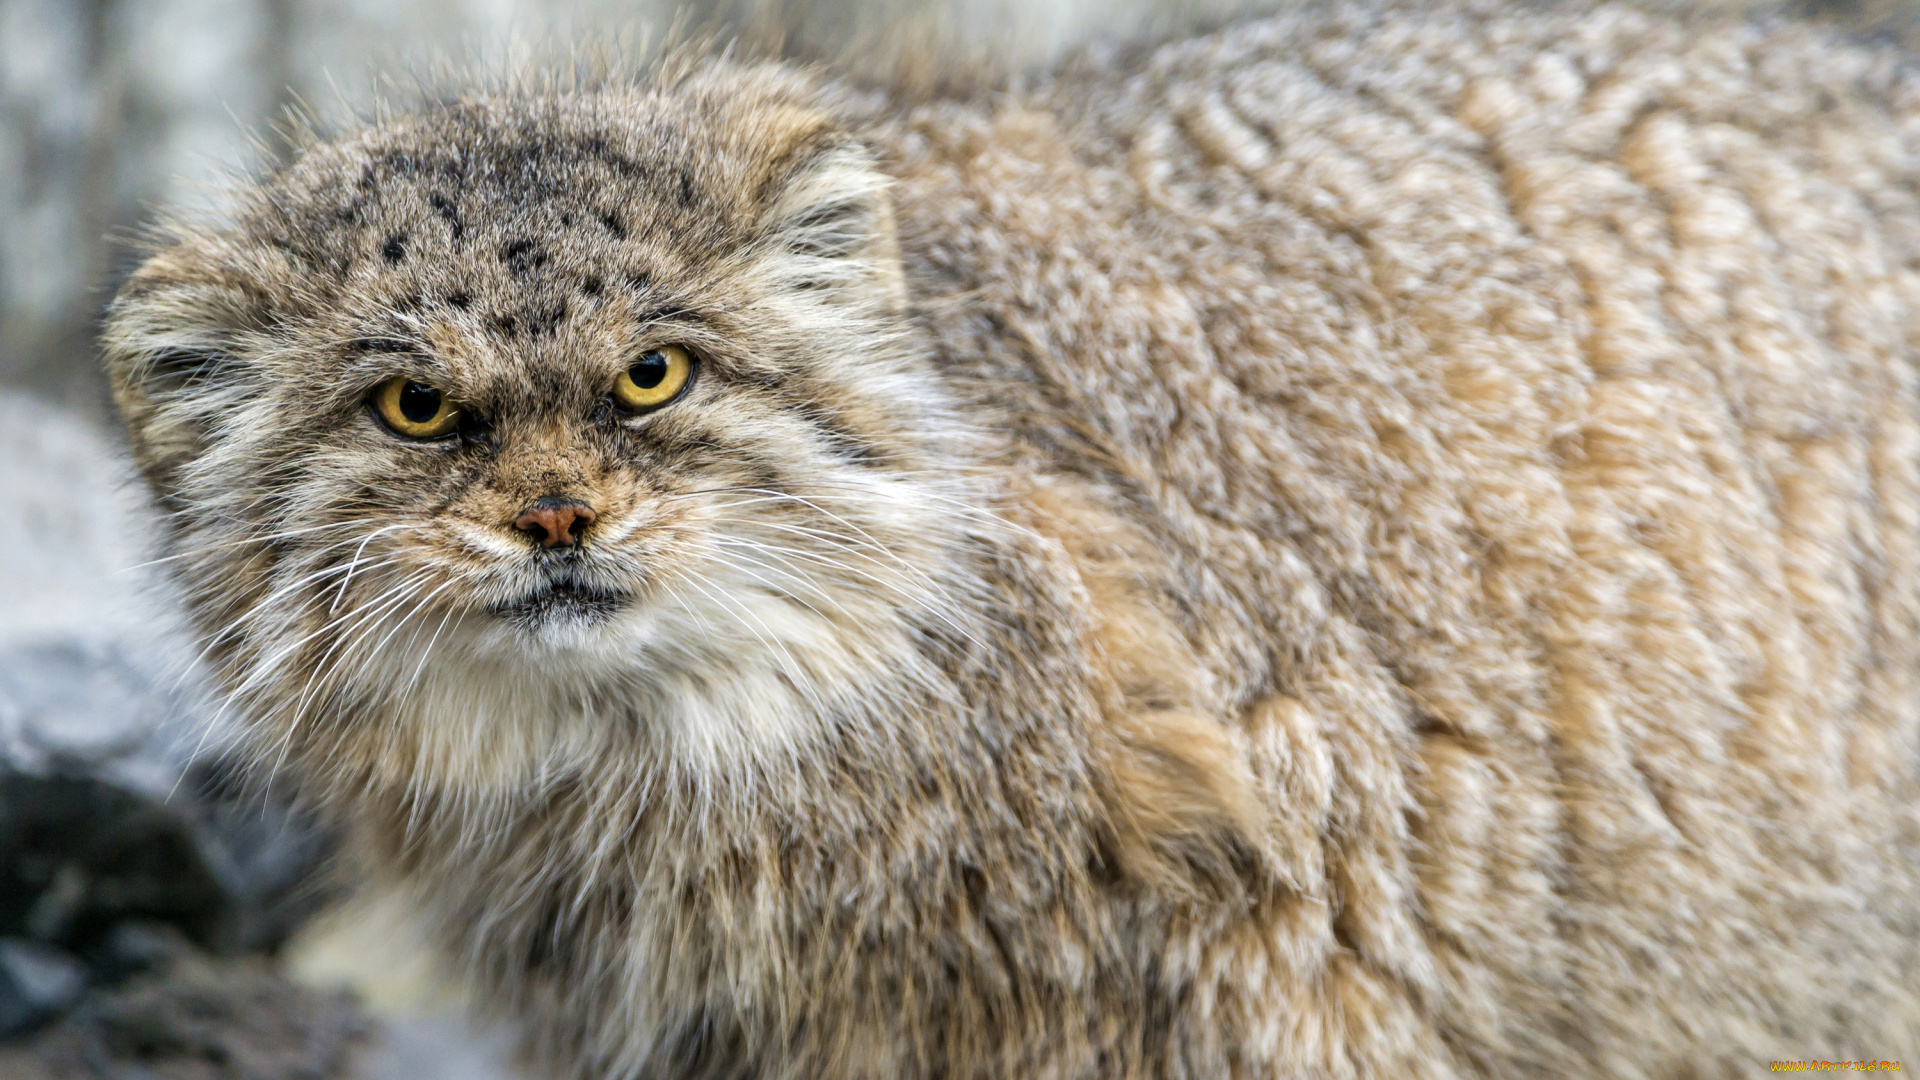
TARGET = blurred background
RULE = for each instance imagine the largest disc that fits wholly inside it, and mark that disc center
(142, 892)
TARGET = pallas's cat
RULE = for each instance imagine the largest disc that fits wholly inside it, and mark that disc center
(1358, 545)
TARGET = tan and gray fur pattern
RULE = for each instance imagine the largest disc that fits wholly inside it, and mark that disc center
(1364, 544)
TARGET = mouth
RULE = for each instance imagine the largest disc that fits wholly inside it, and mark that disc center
(564, 602)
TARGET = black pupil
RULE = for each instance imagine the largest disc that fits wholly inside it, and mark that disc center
(419, 404)
(649, 371)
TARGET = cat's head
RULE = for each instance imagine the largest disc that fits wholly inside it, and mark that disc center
(528, 414)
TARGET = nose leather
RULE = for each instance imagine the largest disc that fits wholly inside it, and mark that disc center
(556, 521)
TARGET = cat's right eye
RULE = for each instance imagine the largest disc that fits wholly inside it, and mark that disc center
(414, 409)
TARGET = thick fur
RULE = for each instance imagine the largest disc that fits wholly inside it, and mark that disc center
(1359, 545)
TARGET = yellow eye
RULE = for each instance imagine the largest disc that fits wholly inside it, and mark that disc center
(654, 379)
(414, 409)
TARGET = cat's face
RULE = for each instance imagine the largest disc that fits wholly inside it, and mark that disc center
(509, 414)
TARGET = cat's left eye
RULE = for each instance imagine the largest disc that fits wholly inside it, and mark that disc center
(414, 409)
(657, 377)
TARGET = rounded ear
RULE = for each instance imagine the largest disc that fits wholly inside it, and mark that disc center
(831, 223)
(831, 205)
(169, 343)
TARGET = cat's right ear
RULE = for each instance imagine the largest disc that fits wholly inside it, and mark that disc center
(169, 343)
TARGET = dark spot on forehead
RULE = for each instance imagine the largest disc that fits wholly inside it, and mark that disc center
(462, 300)
(445, 208)
(395, 248)
(506, 324)
(686, 187)
(613, 224)
(639, 280)
(544, 321)
(597, 147)
(522, 257)
(590, 285)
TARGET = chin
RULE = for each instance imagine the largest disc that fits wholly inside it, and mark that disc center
(588, 640)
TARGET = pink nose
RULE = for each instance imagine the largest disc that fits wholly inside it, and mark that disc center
(556, 521)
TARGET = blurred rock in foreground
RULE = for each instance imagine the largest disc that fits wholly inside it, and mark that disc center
(133, 936)
(184, 1015)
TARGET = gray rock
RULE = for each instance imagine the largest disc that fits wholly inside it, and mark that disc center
(191, 1016)
(71, 702)
(37, 983)
(94, 670)
(79, 855)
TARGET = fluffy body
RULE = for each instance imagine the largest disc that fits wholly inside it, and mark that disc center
(1363, 544)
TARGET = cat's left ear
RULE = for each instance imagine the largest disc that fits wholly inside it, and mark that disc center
(831, 222)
